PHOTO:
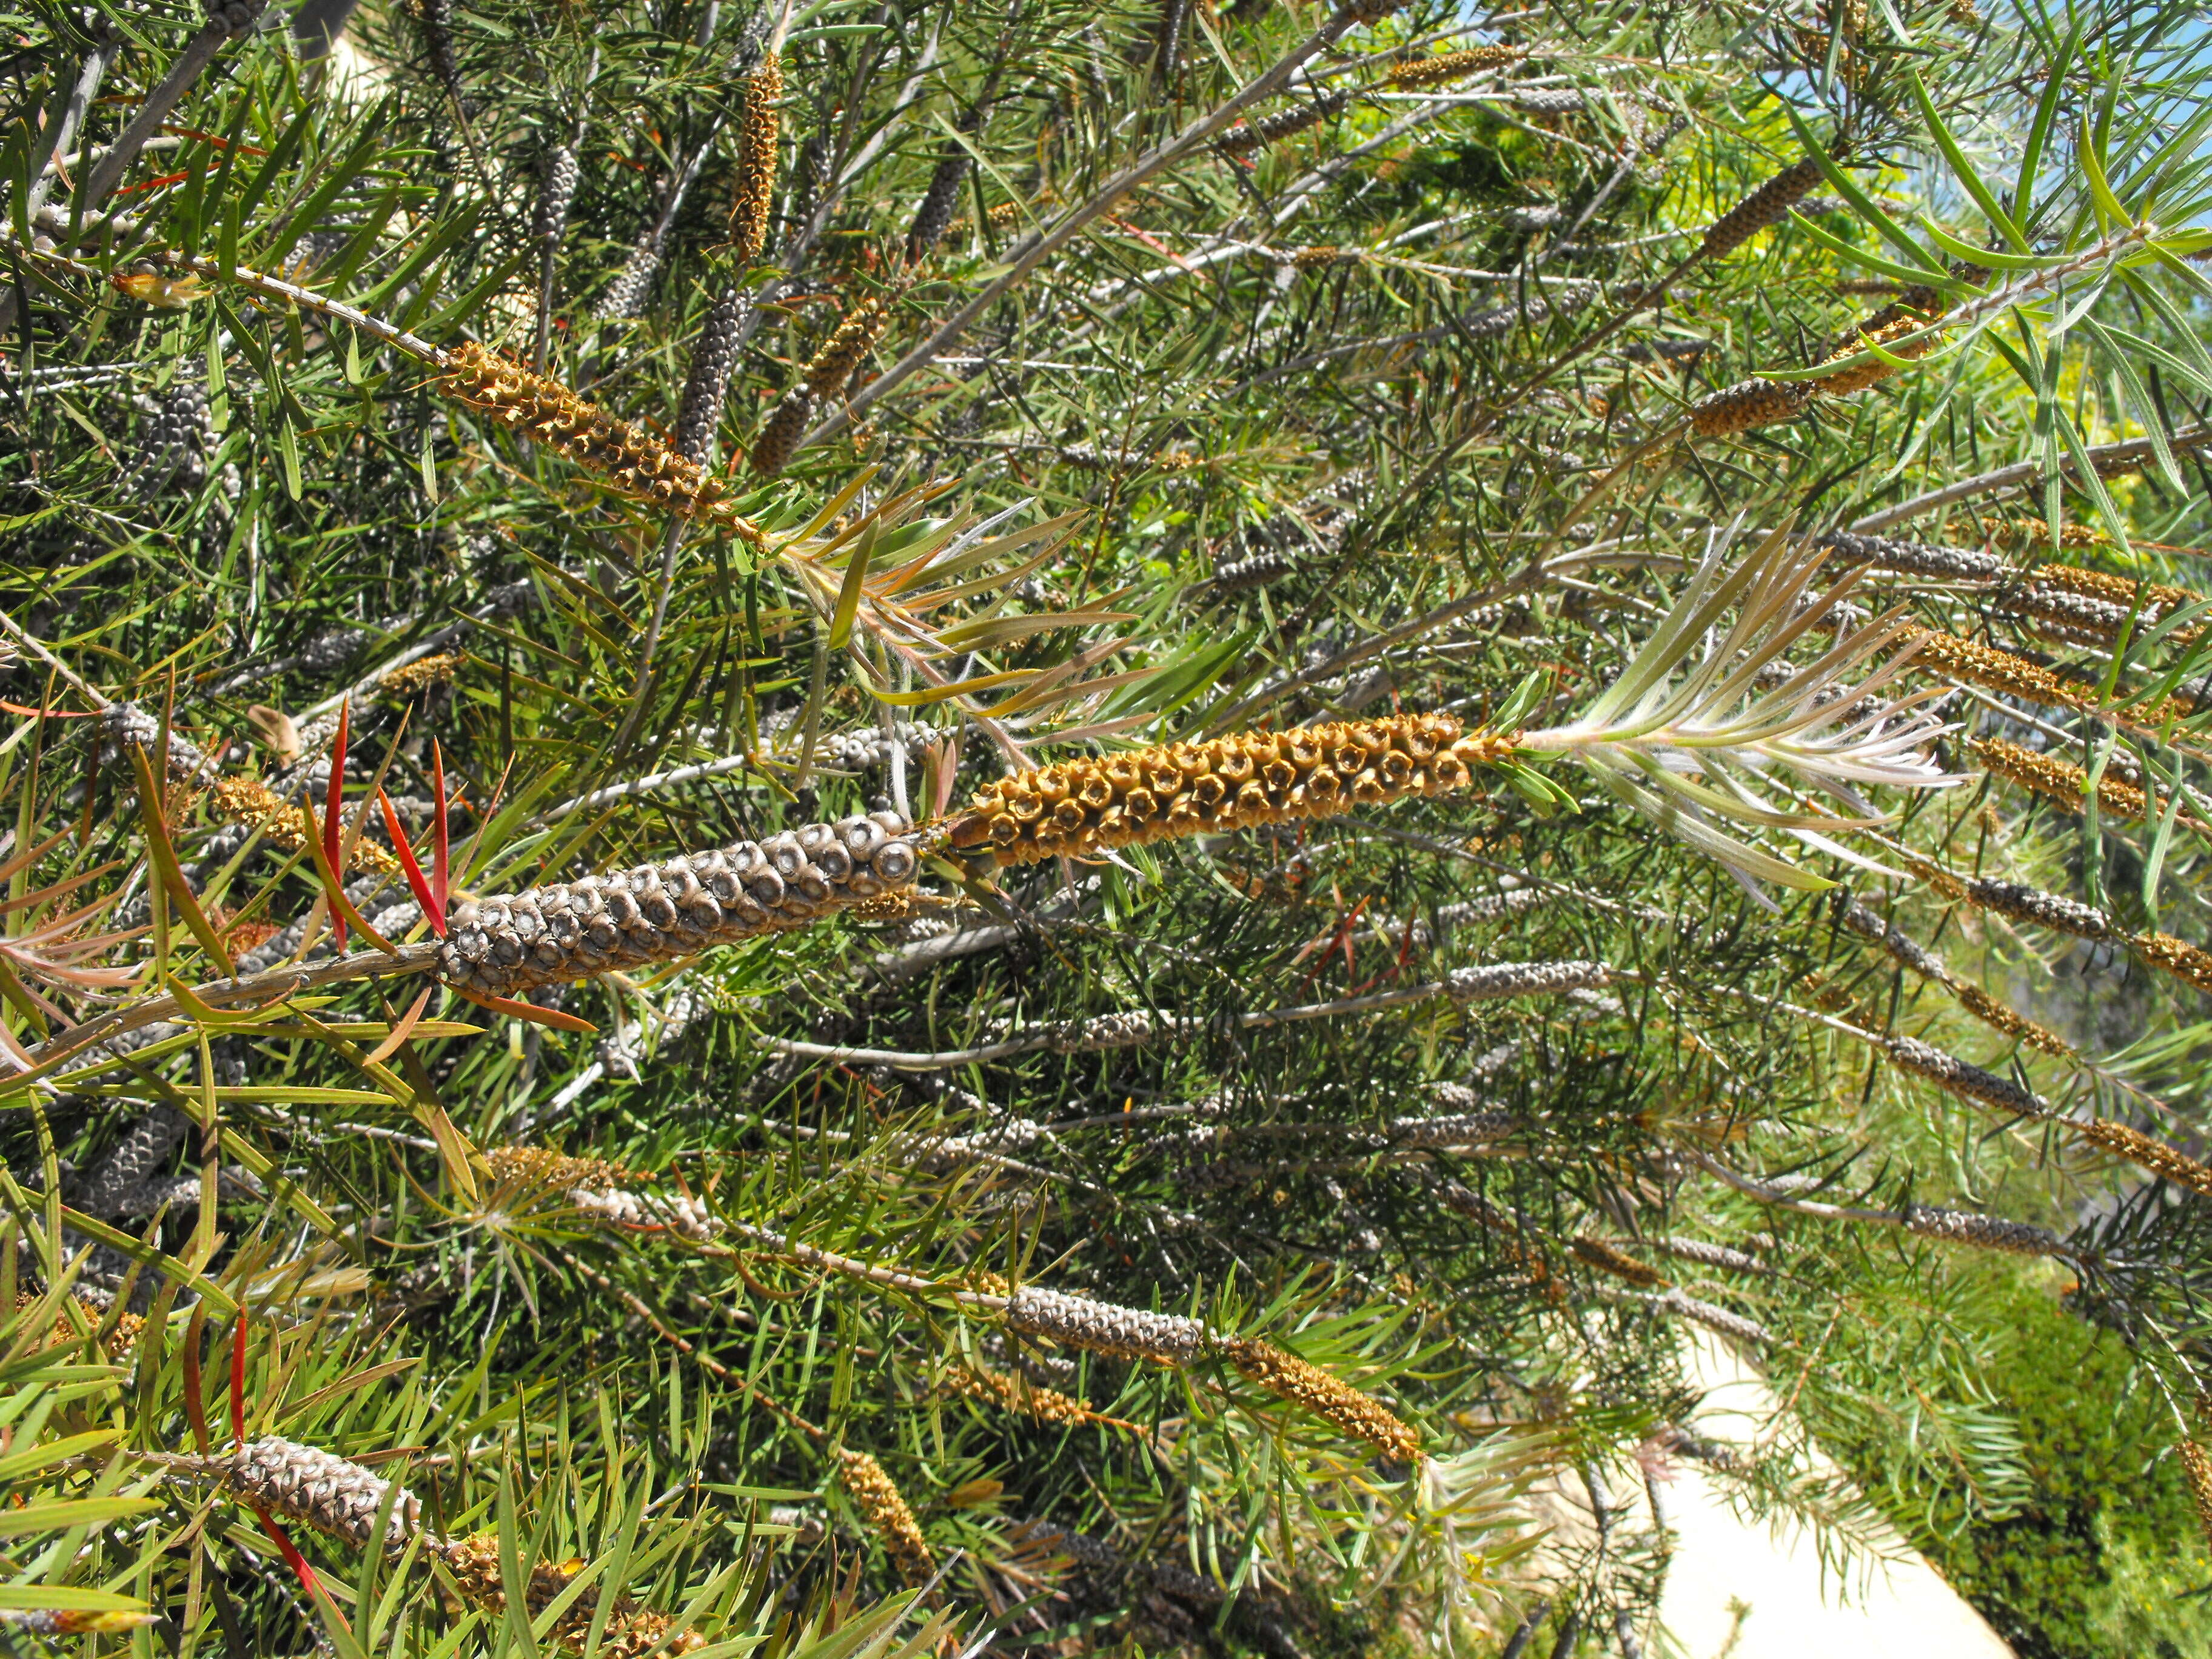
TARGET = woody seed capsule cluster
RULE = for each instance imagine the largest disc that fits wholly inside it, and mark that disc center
(1423, 72)
(656, 912)
(1081, 808)
(778, 439)
(756, 146)
(1714, 1318)
(1988, 1232)
(675, 1212)
(1966, 1081)
(627, 461)
(329, 1493)
(884, 1510)
(1763, 207)
(550, 216)
(1712, 1255)
(1242, 575)
(1915, 558)
(1329, 1398)
(1747, 405)
(1490, 980)
(2122, 1141)
(713, 360)
(1549, 101)
(2032, 904)
(1102, 1327)
(436, 17)
(1248, 136)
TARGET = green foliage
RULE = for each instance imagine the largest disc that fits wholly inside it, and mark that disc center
(1468, 1103)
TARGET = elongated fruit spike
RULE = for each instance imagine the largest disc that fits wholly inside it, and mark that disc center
(1083, 807)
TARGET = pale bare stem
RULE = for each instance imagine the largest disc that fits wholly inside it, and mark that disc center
(2028, 475)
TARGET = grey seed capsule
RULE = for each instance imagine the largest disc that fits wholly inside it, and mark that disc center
(785, 853)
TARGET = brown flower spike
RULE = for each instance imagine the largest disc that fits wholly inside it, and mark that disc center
(756, 150)
(1083, 807)
(626, 460)
(1334, 1400)
(887, 1514)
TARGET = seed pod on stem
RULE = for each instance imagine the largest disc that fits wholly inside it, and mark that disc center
(778, 439)
(713, 360)
(1764, 206)
(1248, 136)
(658, 911)
(1986, 1233)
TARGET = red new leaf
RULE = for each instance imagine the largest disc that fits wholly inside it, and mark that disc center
(333, 808)
(440, 850)
(433, 905)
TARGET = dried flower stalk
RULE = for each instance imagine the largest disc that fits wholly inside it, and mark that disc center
(283, 824)
(1421, 73)
(2139, 1149)
(757, 139)
(541, 1166)
(627, 461)
(2176, 957)
(1020, 1394)
(2196, 1466)
(2062, 780)
(1083, 807)
(885, 1511)
(1621, 1265)
(1329, 1398)
(630, 1631)
(1995, 1015)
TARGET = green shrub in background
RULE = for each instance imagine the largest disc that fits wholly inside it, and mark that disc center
(2098, 1555)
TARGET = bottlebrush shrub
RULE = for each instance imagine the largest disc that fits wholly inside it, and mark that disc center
(1022, 824)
